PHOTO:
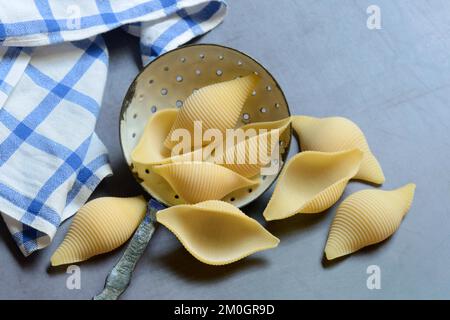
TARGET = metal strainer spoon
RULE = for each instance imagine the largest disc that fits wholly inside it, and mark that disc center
(165, 83)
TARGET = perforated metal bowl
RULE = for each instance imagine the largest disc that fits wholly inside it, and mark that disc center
(168, 80)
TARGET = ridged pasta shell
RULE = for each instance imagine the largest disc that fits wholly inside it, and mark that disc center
(216, 232)
(255, 151)
(218, 106)
(337, 134)
(281, 124)
(367, 217)
(151, 149)
(312, 182)
(200, 181)
(100, 226)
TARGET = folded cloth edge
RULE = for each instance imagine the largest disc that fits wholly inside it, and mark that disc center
(75, 33)
(32, 238)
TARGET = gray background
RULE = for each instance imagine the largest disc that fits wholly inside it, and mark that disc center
(393, 82)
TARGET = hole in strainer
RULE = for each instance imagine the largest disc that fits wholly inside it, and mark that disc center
(254, 93)
(250, 190)
(232, 199)
(198, 72)
(176, 196)
(220, 57)
(239, 63)
(133, 135)
(202, 56)
(153, 109)
(135, 116)
(183, 59)
(151, 81)
(269, 88)
(166, 68)
(219, 72)
(246, 117)
(263, 110)
(147, 171)
(179, 78)
(164, 91)
(277, 105)
(179, 103)
(264, 177)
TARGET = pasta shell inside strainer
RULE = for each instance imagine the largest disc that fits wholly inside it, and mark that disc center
(166, 83)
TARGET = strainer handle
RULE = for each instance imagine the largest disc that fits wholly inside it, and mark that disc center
(120, 276)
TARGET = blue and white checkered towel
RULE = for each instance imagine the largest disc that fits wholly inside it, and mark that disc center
(53, 67)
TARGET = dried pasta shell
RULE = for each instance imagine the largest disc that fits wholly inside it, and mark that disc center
(367, 217)
(216, 232)
(151, 149)
(253, 153)
(217, 106)
(200, 181)
(281, 124)
(337, 134)
(312, 182)
(100, 226)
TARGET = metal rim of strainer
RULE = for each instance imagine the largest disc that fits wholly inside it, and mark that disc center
(131, 90)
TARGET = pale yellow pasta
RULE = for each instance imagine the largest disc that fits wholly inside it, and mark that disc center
(151, 149)
(216, 232)
(200, 181)
(337, 134)
(217, 106)
(312, 182)
(247, 157)
(100, 226)
(281, 125)
(367, 217)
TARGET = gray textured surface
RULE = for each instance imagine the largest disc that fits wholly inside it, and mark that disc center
(393, 82)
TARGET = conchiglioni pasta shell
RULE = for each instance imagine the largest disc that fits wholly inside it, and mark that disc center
(337, 134)
(217, 106)
(200, 181)
(367, 217)
(281, 125)
(253, 153)
(151, 150)
(312, 182)
(216, 232)
(100, 226)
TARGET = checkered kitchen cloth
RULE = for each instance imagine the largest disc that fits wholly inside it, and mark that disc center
(53, 67)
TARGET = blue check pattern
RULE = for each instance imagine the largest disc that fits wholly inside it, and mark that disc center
(53, 67)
